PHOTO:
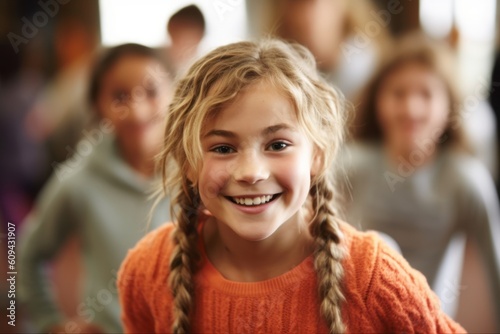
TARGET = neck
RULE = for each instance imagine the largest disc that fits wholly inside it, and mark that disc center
(142, 162)
(414, 155)
(251, 261)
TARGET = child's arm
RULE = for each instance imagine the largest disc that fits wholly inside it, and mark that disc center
(401, 300)
(44, 232)
(480, 217)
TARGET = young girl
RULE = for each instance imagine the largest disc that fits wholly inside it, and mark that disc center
(100, 194)
(411, 174)
(257, 246)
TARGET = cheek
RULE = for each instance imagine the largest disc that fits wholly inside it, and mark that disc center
(164, 98)
(385, 111)
(112, 110)
(294, 172)
(440, 112)
(213, 178)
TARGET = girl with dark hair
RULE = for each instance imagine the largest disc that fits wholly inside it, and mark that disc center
(101, 192)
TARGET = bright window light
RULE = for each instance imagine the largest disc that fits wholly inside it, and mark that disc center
(436, 16)
(145, 22)
(476, 19)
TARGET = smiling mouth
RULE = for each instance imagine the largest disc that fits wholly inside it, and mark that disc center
(253, 200)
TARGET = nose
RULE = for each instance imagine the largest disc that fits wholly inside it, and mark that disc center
(250, 168)
(140, 110)
(413, 106)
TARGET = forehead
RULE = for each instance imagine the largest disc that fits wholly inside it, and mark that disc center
(133, 70)
(256, 107)
(287, 5)
(413, 72)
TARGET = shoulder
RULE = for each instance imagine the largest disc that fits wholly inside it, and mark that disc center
(58, 195)
(395, 297)
(71, 171)
(153, 249)
(142, 279)
(87, 157)
(362, 252)
(143, 274)
(356, 154)
(70, 183)
(466, 166)
(359, 160)
(472, 178)
(369, 257)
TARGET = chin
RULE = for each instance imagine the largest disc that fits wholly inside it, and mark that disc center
(407, 142)
(254, 236)
(147, 145)
(259, 235)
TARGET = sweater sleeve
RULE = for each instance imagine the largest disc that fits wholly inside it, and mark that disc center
(400, 299)
(136, 314)
(43, 234)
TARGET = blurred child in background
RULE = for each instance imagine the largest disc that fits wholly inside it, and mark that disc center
(61, 109)
(411, 175)
(336, 32)
(101, 193)
(186, 29)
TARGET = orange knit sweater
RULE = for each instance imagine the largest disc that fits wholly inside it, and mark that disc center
(383, 294)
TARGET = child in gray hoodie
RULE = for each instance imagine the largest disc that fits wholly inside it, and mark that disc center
(101, 193)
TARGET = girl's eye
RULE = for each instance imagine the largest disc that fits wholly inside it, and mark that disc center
(278, 146)
(223, 150)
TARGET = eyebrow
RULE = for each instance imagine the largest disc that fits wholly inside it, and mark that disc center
(267, 131)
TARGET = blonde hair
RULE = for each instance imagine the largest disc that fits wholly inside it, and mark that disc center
(440, 59)
(210, 84)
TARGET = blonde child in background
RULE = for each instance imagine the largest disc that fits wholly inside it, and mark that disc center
(257, 245)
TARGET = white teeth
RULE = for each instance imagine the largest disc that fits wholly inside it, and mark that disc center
(252, 201)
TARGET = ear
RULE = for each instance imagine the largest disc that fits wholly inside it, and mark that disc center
(316, 162)
(191, 175)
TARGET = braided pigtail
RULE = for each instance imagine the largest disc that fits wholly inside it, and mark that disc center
(184, 259)
(328, 254)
